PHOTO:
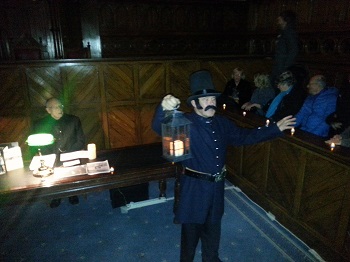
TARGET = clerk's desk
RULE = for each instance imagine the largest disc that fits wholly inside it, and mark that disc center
(132, 166)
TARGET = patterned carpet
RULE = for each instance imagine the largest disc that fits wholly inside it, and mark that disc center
(93, 231)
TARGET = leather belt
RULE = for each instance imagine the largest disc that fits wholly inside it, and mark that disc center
(206, 176)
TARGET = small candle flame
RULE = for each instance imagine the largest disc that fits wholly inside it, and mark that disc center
(224, 106)
(292, 131)
(332, 146)
(244, 113)
(267, 122)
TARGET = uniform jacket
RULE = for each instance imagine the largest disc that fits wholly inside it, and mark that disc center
(315, 110)
(209, 139)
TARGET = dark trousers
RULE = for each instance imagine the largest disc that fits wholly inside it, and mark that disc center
(209, 234)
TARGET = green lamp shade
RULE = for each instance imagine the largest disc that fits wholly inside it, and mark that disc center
(40, 140)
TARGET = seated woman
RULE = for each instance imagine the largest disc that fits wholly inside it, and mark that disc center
(289, 100)
(262, 94)
(237, 90)
(343, 139)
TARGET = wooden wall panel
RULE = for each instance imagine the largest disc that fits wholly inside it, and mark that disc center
(151, 81)
(92, 122)
(81, 85)
(122, 126)
(147, 135)
(12, 92)
(82, 97)
(43, 82)
(284, 165)
(106, 93)
(14, 128)
(254, 167)
(119, 82)
(323, 195)
(179, 73)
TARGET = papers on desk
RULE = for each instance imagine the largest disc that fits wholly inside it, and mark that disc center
(12, 155)
(49, 161)
(90, 169)
(60, 172)
(97, 167)
(74, 155)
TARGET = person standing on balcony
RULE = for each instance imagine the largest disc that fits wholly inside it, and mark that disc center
(287, 48)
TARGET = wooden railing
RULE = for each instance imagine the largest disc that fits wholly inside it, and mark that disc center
(300, 181)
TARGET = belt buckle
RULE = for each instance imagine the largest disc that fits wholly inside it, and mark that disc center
(220, 177)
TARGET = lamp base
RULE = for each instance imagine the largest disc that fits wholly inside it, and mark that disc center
(43, 172)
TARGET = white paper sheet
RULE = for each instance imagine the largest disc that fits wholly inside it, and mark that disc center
(74, 155)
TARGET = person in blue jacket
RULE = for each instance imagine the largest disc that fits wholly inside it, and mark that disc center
(201, 203)
(319, 104)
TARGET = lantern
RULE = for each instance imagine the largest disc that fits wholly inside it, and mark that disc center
(176, 137)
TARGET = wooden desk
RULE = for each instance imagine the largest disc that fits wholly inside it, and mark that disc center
(132, 166)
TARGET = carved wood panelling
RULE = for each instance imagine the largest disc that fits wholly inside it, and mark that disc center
(14, 120)
(254, 167)
(284, 166)
(179, 73)
(119, 82)
(306, 189)
(147, 135)
(81, 85)
(122, 126)
(139, 28)
(43, 83)
(92, 123)
(14, 128)
(323, 196)
(12, 95)
(105, 94)
(82, 97)
(151, 81)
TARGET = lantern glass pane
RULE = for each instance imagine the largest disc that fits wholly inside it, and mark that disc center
(176, 137)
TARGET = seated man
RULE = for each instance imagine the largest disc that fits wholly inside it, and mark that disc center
(67, 131)
(317, 107)
(289, 100)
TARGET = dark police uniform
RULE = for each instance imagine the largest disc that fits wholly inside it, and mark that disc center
(201, 200)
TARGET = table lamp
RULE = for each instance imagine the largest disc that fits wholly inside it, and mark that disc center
(38, 140)
(176, 137)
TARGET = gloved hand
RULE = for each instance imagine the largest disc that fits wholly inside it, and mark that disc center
(170, 102)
